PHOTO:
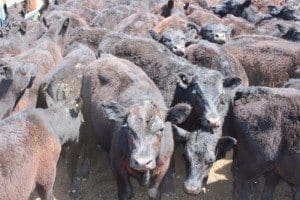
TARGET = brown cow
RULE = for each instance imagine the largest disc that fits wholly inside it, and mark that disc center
(44, 56)
(30, 145)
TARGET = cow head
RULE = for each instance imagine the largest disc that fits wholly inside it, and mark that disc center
(201, 151)
(217, 33)
(209, 94)
(15, 77)
(144, 125)
(235, 7)
(175, 39)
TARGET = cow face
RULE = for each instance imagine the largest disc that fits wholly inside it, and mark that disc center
(287, 13)
(201, 151)
(15, 77)
(175, 39)
(144, 125)
(209, 93)
(217, 33)
(290, 32)
(235, 7)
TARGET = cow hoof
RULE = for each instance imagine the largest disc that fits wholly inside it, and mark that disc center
(152, 193)
(85, 169)
(75, 189)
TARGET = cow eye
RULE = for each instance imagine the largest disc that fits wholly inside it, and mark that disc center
(222, 99)
(164, 40)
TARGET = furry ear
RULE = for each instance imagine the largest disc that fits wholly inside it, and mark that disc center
(64, 27)
(180, 134)
(192, 25)
(186, 5)
(191, 37)
(230, 29)
(225, 143)
(6, 72)
(79, 103)
(282, 28)
(232, 82)
(178, 113)
(184, 80)
(27, 73)
(170, 4)
(45, 22)
(49, 100)
(167, 9)
(246, 4)
(154, 35)
(115, 111)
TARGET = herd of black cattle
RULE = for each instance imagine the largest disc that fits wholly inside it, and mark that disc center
(138, 78)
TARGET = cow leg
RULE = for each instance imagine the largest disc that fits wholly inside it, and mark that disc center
(123, 182)
(45, 185)
(167, 185)
(296, 192)
(73, 170)
(154, 191)
(79, 164)
(271, 181)
(243, 188)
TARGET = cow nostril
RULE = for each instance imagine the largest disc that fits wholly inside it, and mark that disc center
(213, 123)
(209, 161)
(148, 162)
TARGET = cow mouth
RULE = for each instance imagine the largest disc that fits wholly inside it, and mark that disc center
(194, 188)
(145, 178)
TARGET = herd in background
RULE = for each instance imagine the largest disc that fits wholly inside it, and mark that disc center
(139, 77)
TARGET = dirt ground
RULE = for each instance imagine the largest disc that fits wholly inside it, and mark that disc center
(101, 184)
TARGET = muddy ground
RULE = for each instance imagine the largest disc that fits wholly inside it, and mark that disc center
(101, 184)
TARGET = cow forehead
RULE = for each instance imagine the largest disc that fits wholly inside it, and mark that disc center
(144, 116)
(202, 142)
(211, 83)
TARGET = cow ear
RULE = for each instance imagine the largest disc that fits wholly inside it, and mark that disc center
(194, 26)
(231, 82)
(170, 4)
(154, 35)
(49, 101)
(247, 3)
(178, 113)
(114, 111)
(6, 72)
(79, 103)
(230, 29)
(282, 28)
(45, 22)
(27, 73)
(225, 143)
(186, 5)
(64, 27)
(184, 80)
(180, 134)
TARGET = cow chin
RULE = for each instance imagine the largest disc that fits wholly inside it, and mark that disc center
(145, 178)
